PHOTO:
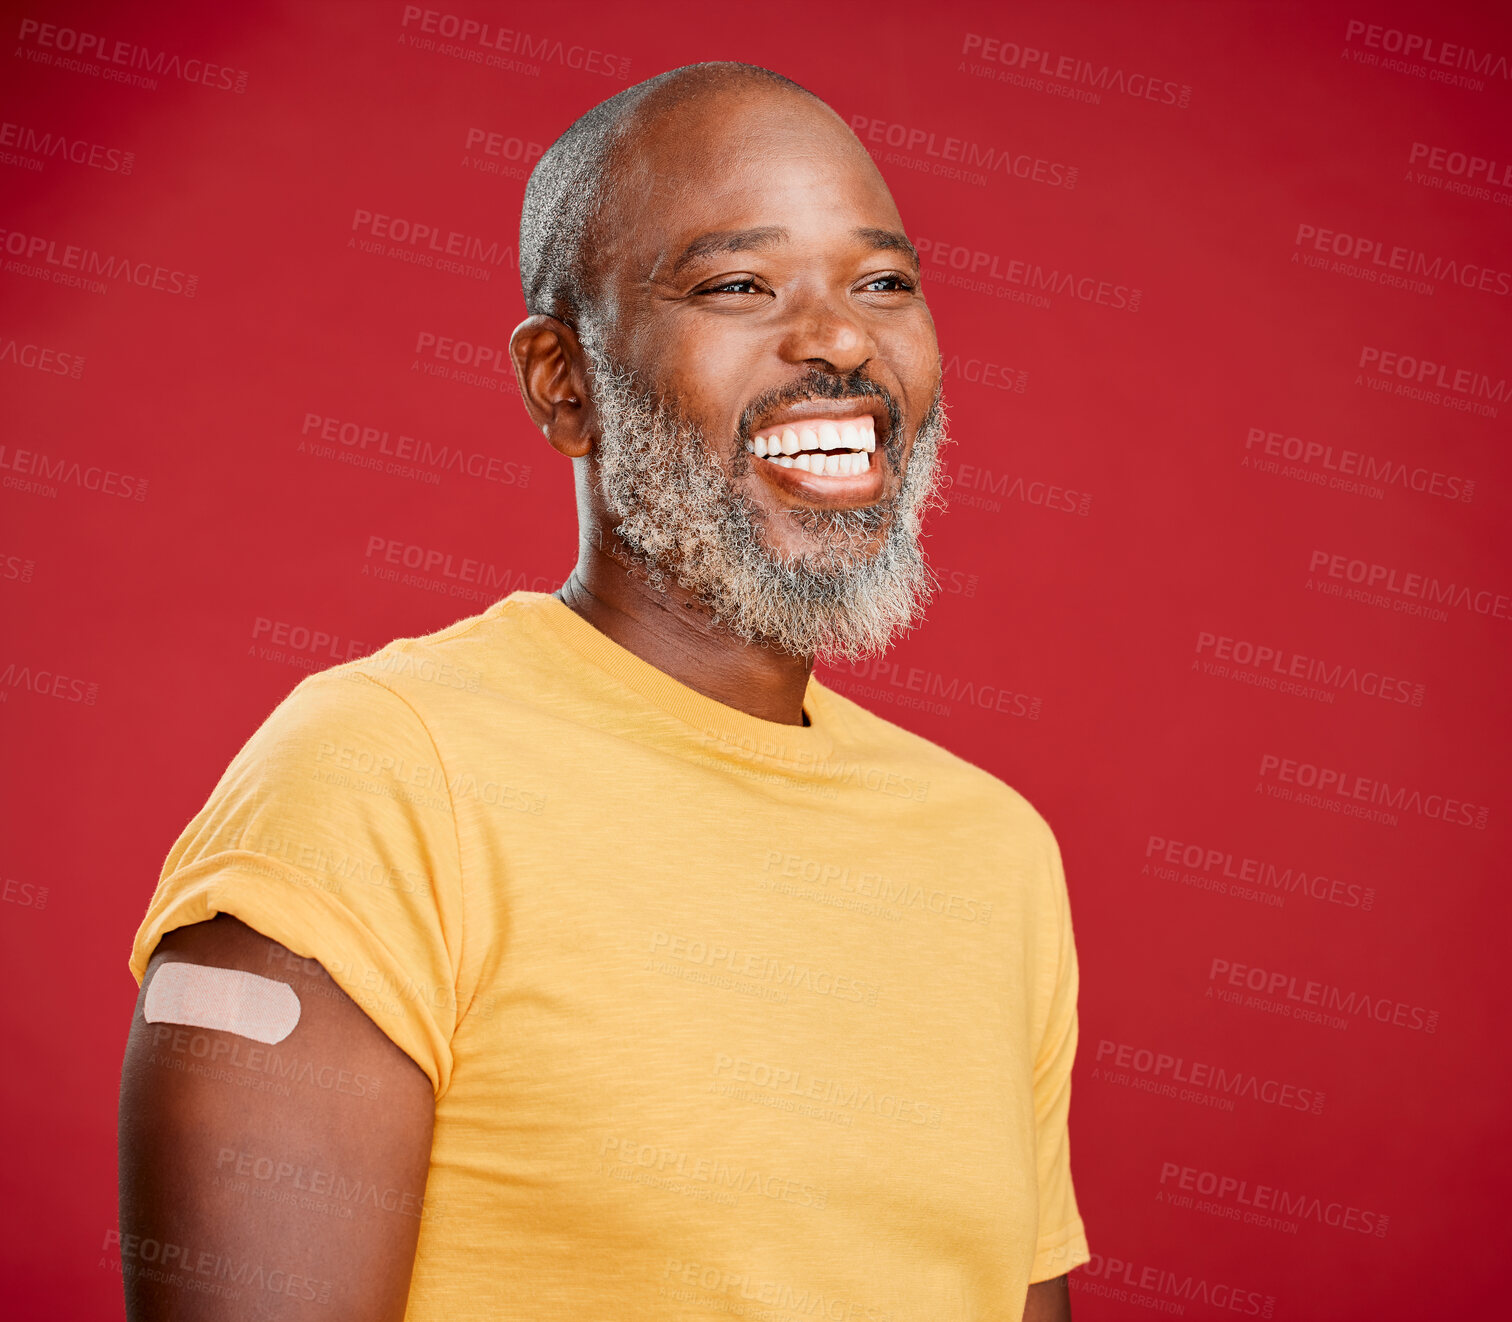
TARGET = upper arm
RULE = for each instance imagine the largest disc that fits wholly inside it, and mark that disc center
(1048, 1301)
(280, 1181)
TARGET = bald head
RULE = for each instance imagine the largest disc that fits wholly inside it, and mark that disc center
(600, 166)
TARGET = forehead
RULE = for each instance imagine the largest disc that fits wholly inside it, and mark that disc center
(739, 159)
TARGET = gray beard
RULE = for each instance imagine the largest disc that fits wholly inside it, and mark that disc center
(680, 518)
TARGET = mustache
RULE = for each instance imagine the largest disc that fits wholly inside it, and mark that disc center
(815, 384)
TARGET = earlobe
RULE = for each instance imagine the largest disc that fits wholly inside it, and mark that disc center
(549, 370)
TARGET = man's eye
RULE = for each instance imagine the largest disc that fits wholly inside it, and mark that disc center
(741, 286)
(887, 284)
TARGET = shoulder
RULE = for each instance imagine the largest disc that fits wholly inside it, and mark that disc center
(410, 681)
(365, 712)
(443, 676)
(951, 779)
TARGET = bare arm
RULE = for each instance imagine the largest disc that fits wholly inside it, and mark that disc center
(1048, 1301)
(267, 1182)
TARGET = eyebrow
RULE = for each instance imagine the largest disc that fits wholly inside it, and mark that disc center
(752, 240)
(890, 241)
(768, 236)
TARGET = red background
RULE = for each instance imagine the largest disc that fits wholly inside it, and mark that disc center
(149, 628)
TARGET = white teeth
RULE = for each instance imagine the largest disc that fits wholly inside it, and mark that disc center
(844, 464)
(812, 447)
(853, 434)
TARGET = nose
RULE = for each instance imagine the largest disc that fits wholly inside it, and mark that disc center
(823, 332)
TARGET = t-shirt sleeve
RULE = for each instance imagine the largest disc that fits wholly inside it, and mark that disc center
(1062, 1241)
(332, 833)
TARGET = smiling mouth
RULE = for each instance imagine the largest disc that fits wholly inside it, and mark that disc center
(838, 447)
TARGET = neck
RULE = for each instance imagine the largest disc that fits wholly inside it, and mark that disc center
(670, 630)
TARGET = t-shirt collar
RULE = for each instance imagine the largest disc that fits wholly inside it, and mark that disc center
(724, 729)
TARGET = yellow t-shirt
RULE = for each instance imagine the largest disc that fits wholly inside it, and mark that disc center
(724, 1017)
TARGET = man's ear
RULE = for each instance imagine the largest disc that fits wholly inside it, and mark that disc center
(551, 372)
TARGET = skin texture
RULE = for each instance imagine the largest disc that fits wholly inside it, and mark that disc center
(717, 331)
(1048, 1301)
(196, 1149)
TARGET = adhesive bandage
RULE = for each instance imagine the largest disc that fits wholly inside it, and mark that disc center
(204, 996)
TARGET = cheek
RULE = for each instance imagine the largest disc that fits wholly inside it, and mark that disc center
(710, 373)
(914, 354)
(722, 350)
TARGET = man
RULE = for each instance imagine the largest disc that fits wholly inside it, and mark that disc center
(588, 958)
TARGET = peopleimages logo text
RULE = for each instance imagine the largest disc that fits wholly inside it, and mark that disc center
(1264, 1198)
(977, 264)
(1426, 372)
(1409, 261)
(1284, 662)
(127, 54)
(1357, 464)
(472, 32)
(1323, 995)
(1074, 70)
(1413, 45)
(1201, 1074)
(1333, 782)
(46, 256)
(1224, 864)
(946, 149)
(1112, 1278)
(1375, 577)
(1462, 165)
